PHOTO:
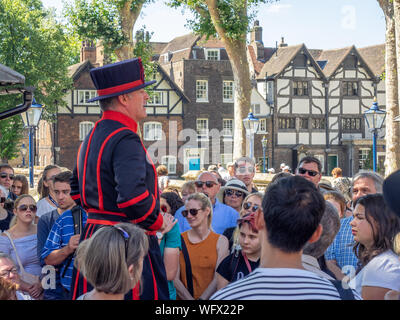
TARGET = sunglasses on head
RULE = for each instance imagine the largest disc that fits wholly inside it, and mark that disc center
(249, 205)
(209, 184)
(25, 207)
(311, 173)
(231, 192)
(193, 212)
(4, 175)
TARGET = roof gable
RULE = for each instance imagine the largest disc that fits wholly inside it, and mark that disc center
(374, 57)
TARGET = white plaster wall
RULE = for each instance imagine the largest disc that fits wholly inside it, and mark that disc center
(334, 85)
(368, 85)
(318, 138)
(304, 138)
(332, 103)
(350, 73)
(318, 85)
(351, 106)
(286, 138)
(282, 83)
(381, 85)
(281, 102)
(256, 98)
(335, 137)
(319, 103)
(94, 110)
(333, 123)
(301, 106)
(299, 72)
(288, 72)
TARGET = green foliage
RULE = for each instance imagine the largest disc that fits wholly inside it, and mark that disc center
(34, 44)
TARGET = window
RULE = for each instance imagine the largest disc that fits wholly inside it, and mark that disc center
(212, 54)
(318, 123)
(350, 88)
(364, 158)
(202, 129)
(227, 127)
(152, 131)
(84, 129)
(82, 96)
(170, 163)
(227, 91)
(286, 123)
(201, 91)
(156, 98)
(226, 158)
(256, 108)
(262, 126)
(351, 124)
(303, 123)
(300, 88)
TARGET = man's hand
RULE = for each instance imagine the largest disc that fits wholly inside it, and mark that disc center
(35, 290)
(74, 242)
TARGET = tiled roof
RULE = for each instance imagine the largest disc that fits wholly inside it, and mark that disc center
(334, 58)
(8, 76)
(76, 68)
(180, 47)
(374, 56)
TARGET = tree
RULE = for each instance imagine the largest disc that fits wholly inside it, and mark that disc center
(34, 44)
(230, 21)
(392, 65)
(110, 21)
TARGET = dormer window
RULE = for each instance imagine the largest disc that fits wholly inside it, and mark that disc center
(212, 54)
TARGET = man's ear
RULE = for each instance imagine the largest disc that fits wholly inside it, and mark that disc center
(316, 235)
(259, 219)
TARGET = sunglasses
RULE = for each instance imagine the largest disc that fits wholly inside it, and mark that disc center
(25, 207)
(311, 173)
(244, 170)
(193, 212)
(4, 175)
(209, 184)
(124, 235)
(231, 192)
(249, 205)
(164, 209)
(2, 199)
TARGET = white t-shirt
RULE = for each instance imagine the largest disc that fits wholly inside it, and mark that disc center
(43, 206)
(280, 284)
(382, 271)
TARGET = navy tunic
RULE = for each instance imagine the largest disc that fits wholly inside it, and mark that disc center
(116, 181)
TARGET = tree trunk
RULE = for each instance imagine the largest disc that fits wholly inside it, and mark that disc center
(392, 159)
(236, 50)
(128, 20)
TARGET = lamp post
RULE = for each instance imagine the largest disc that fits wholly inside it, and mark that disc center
(251, 125)
(264, 143)
(375, 119)
(31, 120)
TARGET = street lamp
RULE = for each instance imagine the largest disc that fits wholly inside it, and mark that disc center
(251, 125)
(23, 154)
(264, 143)
(375, 119)
(31, 120)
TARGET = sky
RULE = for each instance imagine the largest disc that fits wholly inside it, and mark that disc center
(319, 24)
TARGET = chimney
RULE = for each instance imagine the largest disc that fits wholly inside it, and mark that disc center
(283, 44)
(256, 40)
(88, 52)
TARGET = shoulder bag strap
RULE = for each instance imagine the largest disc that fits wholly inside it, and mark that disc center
(189, 277)
(77, 219)
(16, 253)
(345, 294)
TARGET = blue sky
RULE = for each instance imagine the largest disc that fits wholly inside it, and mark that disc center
(320, 24)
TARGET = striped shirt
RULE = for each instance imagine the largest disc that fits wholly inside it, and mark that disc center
(61, 232)
(280, 284)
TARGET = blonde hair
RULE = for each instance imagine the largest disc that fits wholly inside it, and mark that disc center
(190, 186)
(204, 202)
(104, 259)
(235, 236)
(162, 170)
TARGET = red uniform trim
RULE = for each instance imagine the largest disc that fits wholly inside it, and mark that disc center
(120, 214)
(153, 204)
(99, 188)
(105, 222)
(121, 118)
(85, 166)
(154, 279)
(158, 223)
(154, 169)
(76, 196)
(134, 200)
(120, 88)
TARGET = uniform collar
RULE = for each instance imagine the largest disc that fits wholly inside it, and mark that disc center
(120, 117)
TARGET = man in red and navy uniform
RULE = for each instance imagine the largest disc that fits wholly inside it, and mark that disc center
(114, 178)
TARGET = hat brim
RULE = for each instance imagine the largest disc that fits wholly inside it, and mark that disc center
(122, 92)
(220, 194)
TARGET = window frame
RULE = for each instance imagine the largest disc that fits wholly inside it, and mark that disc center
(77, 97)
(304, 87)
(228, 98)
(154, 136)
(204, 97)
(212, 50)
(202, 135)
(168, 163)
(81, 129)
(150, 102)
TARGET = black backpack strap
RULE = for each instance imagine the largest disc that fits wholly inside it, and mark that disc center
(345, 294)
(189, 276)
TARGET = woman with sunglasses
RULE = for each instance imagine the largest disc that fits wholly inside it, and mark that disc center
(170, 239)
(20, 242)
(375, 229)
(244, 260)
(202, 251)
(113, 269)
(5, 214)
